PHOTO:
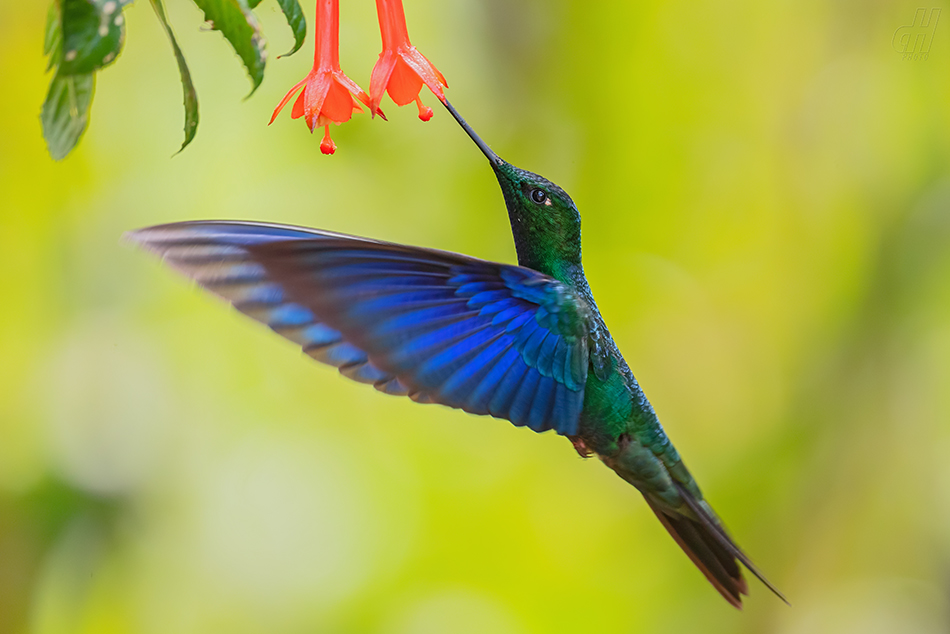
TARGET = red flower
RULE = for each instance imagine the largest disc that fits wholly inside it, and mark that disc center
(328, 96)
(401, 70)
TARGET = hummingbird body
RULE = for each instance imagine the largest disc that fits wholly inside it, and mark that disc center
(617, 422)
(524, 343)
(548, 239)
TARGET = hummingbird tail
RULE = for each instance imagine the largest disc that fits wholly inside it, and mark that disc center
(708, 545)
(706, 552)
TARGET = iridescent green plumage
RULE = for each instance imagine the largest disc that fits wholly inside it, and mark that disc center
(617, 422)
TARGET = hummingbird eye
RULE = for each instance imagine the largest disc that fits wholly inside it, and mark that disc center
(538, 196)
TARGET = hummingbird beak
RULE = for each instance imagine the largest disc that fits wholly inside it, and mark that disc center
(487, 151)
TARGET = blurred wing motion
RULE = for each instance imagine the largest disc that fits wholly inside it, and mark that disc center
(439, 327)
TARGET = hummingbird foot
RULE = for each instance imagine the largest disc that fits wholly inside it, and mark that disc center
(581, 447)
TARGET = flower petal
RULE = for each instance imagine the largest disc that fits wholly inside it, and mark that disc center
(338, 104)
(424, 69)
(287, 97)
(404, 83)
(297, 112)
(352, 86)
(438, 74)
(314, 95)
(382, 71)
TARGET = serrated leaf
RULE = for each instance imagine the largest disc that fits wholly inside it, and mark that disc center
(191, 97)
(66, 112)
(53, 36)
(93, 33)
(239, 26)
(298, 24)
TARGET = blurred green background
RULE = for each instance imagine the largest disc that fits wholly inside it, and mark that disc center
(765, 190)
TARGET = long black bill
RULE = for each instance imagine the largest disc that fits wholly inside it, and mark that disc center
(487, 151)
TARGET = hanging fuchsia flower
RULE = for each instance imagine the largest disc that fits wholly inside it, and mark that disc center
(328, 95)
(401, 70)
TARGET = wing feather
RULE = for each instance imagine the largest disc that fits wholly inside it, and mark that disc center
(439, 327)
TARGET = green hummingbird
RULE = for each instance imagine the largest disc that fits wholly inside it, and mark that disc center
(523, 343)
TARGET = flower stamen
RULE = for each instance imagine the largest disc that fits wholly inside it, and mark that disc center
(327, 146)
(425, 112)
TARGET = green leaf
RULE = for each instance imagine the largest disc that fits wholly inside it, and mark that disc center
(53, 38)
(298, 24)
(295, 18)
(93, 33)
(191, 97)
(66, 112)
(239, 26)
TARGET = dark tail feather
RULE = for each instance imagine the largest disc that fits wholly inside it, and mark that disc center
(718, 566)
(711, 549)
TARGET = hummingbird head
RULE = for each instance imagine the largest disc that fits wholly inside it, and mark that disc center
(544, 220)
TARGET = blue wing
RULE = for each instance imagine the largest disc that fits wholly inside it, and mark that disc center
(439, 327)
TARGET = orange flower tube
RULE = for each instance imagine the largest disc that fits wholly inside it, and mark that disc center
(401, 69)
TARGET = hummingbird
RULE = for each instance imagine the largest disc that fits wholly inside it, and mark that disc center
(523, 343)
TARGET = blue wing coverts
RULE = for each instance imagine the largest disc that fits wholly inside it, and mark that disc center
(438, 327)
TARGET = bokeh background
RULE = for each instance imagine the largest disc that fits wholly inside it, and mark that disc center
(765, 190)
